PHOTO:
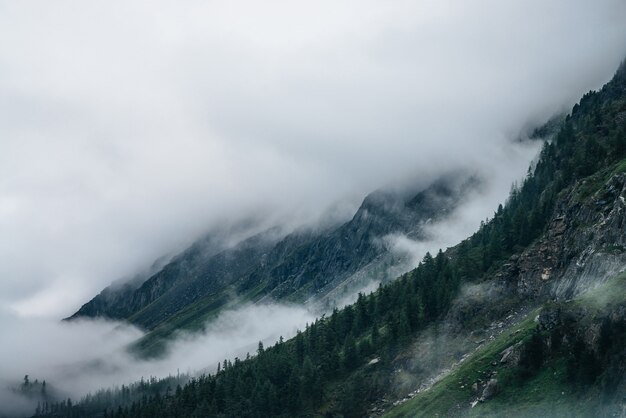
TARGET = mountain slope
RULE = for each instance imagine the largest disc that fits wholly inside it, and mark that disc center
(566, 359)
(204, 279)
(554, 252)
(581, 255)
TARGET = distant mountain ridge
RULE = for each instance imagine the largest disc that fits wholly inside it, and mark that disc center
(304, 264)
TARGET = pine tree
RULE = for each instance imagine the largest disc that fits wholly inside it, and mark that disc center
(350, 353)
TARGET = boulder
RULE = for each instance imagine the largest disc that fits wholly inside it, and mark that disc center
(490, 390)
(511, 355)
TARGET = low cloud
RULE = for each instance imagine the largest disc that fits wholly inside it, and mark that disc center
(129, 129)
(85, 355)
(473, 208)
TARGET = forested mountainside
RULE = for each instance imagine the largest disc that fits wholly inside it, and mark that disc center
(523, 318)
(206, 278)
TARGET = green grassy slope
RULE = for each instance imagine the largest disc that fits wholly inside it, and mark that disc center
(545, 394)
(454, 392)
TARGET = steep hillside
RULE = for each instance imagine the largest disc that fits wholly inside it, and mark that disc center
(125, 298)
(565, 359)
(306, 263)
(529, 306)
(557, 365)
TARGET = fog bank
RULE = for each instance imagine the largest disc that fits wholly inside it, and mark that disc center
(129, 128)
(82, 356)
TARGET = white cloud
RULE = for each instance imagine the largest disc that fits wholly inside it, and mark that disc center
(128, 128)
(83, 356)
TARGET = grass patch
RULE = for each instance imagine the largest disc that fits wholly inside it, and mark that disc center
(546, 394)
(594, 183)
(454, 392)
(613, 292)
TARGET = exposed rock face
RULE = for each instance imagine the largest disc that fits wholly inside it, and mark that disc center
(511, 355)
(585, 244)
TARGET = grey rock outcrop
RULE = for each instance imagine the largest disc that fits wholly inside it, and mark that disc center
(491, 390)
(584, 245)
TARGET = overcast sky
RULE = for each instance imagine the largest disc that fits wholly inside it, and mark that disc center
(128, 127)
